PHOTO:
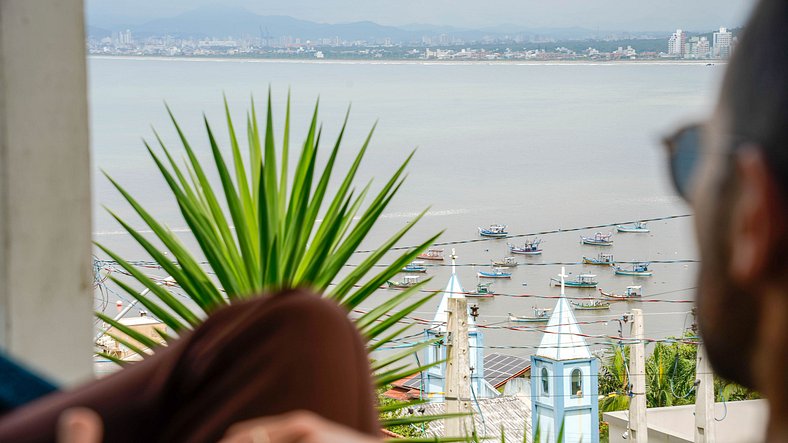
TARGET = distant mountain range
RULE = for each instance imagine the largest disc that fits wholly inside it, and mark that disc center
(223, 21)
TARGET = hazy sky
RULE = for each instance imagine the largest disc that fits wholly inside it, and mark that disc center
(625, 15)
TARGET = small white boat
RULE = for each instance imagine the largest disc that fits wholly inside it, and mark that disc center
(495, 231)
(506, 262)
(631, 292)
(637, 270)
(530, 247)
(634, 227)
(432, 254)
(599, 239)
(407, 282)
(541, 315)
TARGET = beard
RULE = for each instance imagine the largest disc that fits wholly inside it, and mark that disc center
(727, 312)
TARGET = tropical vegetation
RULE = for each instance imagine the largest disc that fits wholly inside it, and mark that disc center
(266, 227)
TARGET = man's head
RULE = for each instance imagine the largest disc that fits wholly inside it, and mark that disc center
(739, 191)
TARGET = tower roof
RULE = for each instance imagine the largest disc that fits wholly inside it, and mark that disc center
(562, 339)
(453, 290)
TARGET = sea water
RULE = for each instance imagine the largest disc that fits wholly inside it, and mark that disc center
(537, 147)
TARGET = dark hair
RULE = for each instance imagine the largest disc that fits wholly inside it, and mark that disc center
(755, 89)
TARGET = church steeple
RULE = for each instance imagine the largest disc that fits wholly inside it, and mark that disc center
(435, 376)
(453, 290)
(562, 339)
(564, 380)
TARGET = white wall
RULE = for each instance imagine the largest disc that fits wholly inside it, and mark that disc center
(45, 252)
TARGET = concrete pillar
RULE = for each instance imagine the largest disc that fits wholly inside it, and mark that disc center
(45, 252)
(458, 370)
(638, 428)
(704, 399)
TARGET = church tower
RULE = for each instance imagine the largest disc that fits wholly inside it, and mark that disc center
(434, 377)
(564, 386)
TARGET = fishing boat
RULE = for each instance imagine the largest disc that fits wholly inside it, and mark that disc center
(496, 231)
(601, 259)
(634, 227)
(541, 315)
(496, 273)
(594, 305)
(407, 282)
(416, 266)
(581, 281)
(631, 292)
(530, 247)
(599, 239)
(482, 291)
(506, 262)
(637, 270)
(432, 254)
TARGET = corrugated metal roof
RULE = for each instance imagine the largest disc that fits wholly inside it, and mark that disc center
(512, 413)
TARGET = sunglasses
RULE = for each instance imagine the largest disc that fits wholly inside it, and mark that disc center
(684, 152)
(685, 149)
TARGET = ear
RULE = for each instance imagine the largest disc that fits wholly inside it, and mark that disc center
(757, 218)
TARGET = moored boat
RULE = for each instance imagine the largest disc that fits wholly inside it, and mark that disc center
(482, 291)
(530, 247)
(416, 266)
(602, 259)
(506, 262)
(594, 305)
(599, 239)
(407, 282)
(495, 273)
(631, 292)
(541, 315)
(634, 227)
(581, 281)
(496, 231)
(637, 270)
(432, 254)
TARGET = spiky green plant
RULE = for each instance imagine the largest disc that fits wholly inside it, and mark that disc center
(275, 233)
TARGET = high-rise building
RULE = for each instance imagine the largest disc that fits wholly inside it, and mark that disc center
(676, 43)
(721, 43)
(703, 49)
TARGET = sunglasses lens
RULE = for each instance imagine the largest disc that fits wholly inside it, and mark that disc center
(684, 160)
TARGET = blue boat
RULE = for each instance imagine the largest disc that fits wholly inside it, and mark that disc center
(638, 270)
(635, 227)
(495, 231)
(496, 273)
(530, 247)
(599, 239)
(416, 266)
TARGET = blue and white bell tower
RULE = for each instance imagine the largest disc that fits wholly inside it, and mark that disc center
(434, 385)
(564, 388)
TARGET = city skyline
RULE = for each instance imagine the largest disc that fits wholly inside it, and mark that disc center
(503, 15)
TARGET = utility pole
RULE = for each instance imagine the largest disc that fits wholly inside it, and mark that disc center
(638, 428)
(704, 400)
(458, 369)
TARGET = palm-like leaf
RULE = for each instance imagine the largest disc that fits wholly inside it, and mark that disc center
(259, 232)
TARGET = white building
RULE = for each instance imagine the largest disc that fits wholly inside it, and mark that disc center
(564, 381)
(676, 43)
(721, 43)
(734, 422)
